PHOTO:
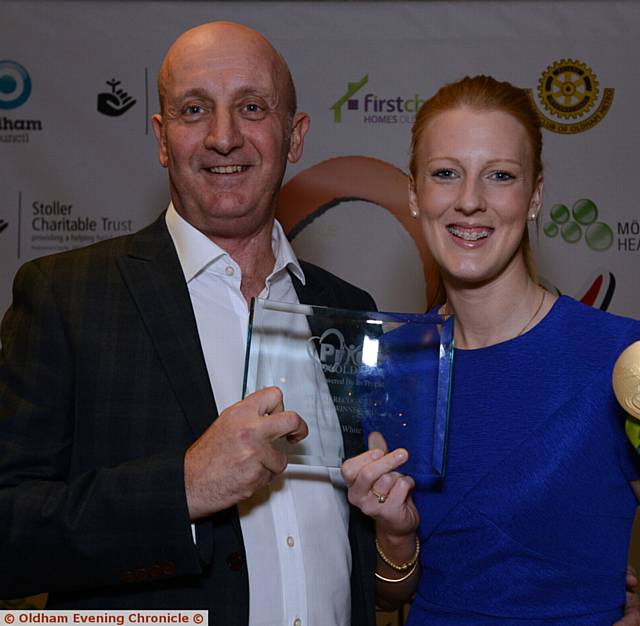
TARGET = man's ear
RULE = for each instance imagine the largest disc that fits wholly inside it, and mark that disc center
(299, 128)
(159, 131)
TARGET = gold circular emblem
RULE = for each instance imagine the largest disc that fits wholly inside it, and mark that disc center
(568, 88)
(626, 379)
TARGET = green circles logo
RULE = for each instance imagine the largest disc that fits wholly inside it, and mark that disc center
(585, 212)
(560, 214)
(571, 232)
(581, 221)
(599, 236)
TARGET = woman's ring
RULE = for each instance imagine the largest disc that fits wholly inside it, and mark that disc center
(382, 498)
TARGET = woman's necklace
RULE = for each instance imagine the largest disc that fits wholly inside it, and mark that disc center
(544, 295)
(444, 310)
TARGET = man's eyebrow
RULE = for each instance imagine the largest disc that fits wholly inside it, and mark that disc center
(268, 96)
(194, 92)
(242, 92)
(249, 91)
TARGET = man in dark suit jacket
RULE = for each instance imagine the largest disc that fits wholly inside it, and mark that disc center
(113, 457)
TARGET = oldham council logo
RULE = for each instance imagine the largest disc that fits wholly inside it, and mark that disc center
(569, 99)
(15, 85)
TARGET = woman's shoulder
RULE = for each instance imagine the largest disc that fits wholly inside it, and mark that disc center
(567, 306)
(593, 327)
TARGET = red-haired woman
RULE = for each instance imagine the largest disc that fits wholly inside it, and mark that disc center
(531, 524)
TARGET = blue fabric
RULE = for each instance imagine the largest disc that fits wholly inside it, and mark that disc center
(531, 523)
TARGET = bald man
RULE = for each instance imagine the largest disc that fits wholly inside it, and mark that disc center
(131, 473)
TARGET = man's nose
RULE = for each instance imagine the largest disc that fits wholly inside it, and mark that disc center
(223, 133)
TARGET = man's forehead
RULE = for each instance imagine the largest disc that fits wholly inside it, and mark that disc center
(234, 83)
(222, 69)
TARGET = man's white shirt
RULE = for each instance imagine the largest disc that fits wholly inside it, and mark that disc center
(295, 530)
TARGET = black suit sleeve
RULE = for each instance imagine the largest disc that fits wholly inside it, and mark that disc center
(66, 524)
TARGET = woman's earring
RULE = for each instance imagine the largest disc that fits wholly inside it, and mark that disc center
(414, 213)
(534, 207)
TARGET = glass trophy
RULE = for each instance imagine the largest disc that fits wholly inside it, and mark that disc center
(349, 373)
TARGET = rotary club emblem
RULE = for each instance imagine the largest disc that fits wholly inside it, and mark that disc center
(568, 91)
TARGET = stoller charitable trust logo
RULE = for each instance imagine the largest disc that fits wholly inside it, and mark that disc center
(568, 90)
(58, 224)
(371, 108)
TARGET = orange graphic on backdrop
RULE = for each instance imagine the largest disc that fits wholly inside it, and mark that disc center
(325, 185)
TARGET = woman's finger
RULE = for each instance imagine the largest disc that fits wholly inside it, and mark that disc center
(352, 467)
(376, 440)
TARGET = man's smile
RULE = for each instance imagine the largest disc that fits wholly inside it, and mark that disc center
(227, 169)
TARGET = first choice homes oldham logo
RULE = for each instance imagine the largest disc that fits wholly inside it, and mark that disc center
(15, 90)
(368, 107)
(568, 91)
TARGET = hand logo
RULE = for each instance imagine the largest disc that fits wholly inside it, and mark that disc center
(115, 102)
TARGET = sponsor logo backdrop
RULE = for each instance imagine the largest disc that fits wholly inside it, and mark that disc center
(78, 162)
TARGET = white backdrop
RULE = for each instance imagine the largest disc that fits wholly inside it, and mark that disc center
(72, 174)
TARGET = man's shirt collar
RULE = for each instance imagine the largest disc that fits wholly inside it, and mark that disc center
(197, 252)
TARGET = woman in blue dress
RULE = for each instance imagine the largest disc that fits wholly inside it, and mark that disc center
(531, 524)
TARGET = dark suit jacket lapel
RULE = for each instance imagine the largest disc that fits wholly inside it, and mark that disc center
(154, 276)
(316, 294)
